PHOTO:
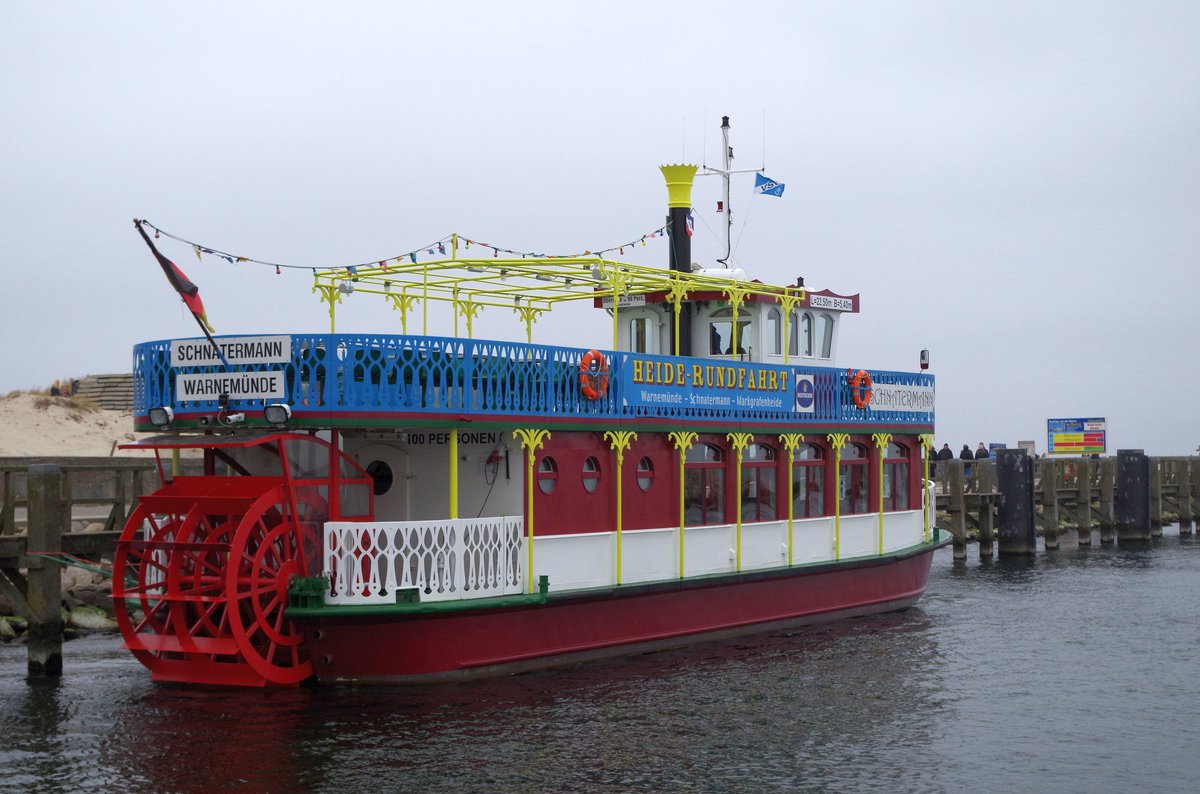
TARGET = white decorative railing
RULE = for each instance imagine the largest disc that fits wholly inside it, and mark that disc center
(443, 560)
(456, 559)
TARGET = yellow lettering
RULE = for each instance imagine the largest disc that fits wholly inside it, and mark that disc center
(697, 375)
(772, 380)
(637, 371)
(680, 373)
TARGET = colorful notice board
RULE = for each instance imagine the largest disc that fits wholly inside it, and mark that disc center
(1076, 436)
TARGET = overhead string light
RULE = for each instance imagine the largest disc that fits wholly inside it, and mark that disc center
(438, 246)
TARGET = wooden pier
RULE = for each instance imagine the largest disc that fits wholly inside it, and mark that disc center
(1070, 494)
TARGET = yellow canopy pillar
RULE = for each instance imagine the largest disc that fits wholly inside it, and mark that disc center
(790, 442)
(837, 441)
(683, 440)
(531, 440)
(619, 440)
(331, 294)
(739, 442)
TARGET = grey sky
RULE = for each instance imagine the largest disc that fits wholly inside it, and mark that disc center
(1011, 185)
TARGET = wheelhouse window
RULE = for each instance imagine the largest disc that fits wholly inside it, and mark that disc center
(895, 477)
(808, 482)
(775, 331)
(641, 338)
(547, 475)
(758, 483)
(806, 334)
(720, 332)
(826, 336)
(704, 485)
(853, 480)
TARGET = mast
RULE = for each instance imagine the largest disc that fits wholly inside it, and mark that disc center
(728, 153)
(724, 173)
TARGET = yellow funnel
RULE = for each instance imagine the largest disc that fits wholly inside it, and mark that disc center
(679, 184)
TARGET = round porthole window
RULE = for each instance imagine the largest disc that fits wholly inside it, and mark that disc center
(645, 473)
(381, 473)
(591, 475)
(547, 474)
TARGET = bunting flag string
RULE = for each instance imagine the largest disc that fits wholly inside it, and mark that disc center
(436, 248)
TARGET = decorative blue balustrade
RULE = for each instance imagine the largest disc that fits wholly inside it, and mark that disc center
(372, 376)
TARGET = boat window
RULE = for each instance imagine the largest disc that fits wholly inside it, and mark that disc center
(808, 482)
(826, 335)
(895, 477)
(381, 473)
(704, 485)
(645, 473)
(794, 333)
(806, 334)
(591, 475)
(640, 329)
(547, 474)
(720, 332)
(775, 331)
(853, 480)
(758, 483)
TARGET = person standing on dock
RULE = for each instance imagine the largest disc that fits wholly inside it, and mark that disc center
(965, 454)
(946, 453)
(981, 452)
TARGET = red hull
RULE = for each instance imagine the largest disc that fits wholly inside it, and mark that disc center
(467, 643)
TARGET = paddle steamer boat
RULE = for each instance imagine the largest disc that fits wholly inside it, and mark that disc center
(406, 507)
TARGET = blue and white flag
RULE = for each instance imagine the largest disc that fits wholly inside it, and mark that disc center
(766, 186)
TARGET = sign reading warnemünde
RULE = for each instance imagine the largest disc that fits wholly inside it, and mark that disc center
(270, 385)
(237, 350)
(889, 397)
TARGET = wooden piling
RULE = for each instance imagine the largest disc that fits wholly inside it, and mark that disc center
(1108, 480)
(1156, 500)
(1083, 503)
(958, 508)
(44, 588)
(1015, 514)
(1050, 517)
(1132, 503)
(986, 478)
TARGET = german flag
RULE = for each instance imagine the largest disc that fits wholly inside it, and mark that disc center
(179, 280)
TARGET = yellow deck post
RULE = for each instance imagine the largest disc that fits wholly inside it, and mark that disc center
(881, 443)
(837, 441)
(790, 441)
(926, 446)
(619, 440)
(454, 473)
(739, 442)
(531, 440)
(683, 440)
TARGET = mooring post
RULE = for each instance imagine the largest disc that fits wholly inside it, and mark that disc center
(1083, 502)
(1050, 502)
(958, 508)
(1156, 501)
(986, 473)
(1108, 479)
(1183, 482)
(1132, 503)
(1014, 516)
(44, 593)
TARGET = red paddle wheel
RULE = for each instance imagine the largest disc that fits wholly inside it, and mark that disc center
(206, 562)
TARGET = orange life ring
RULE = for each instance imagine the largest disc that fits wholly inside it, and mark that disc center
(593, 375)
(860, 388)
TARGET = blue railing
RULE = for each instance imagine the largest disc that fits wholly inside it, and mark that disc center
(356, 374)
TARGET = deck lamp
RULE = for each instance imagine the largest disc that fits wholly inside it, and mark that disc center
(277, 413)
(161, 416)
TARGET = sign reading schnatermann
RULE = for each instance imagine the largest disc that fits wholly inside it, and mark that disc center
(237, 350)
